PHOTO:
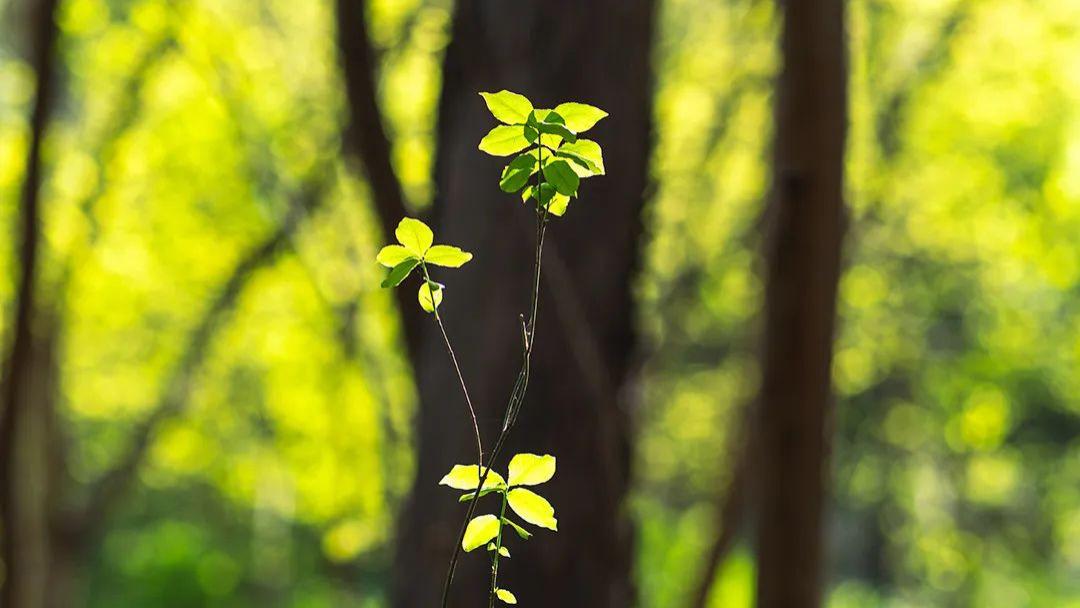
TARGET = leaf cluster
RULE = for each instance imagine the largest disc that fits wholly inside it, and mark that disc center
(524, 470)
(563, 158)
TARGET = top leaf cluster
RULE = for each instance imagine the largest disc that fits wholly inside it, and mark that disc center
(558, 153)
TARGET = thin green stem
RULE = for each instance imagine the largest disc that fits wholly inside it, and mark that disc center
(498, 547)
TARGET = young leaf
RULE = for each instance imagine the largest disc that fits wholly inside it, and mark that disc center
(554, 128)
(531, 470)
(467, 477)
(392, 255)
(547, 191)
(579, 116)
(469, 496)
(414, 235)
(562, 177)
(504, 140)
(479, 531)
(558, 205)
(503, 551)
(399, 272)
(517, 173)
(447, 255)
(510, 108)
(587, 152)
(505, 596)
(522, 532)
(532, 507)
(429, 297)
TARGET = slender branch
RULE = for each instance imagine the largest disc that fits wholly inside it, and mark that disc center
(461, 379)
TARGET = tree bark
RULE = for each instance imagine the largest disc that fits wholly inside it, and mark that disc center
(366, 137)
(803, 267)
(596, 52)
(20, 549)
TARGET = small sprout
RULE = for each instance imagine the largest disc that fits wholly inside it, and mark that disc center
(502, 550)
(505, 596)
(415, 248)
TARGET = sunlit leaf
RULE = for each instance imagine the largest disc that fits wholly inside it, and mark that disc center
(469, 496)
(522, 532)
(392, 255)
(558, 204)
(467, 477)
(505, 596)
(510, 108)
(479, 531)
(398, 273)
(447, 255)
(556, 128)
(414, 235)
(429, 297)
(587, 154)
(530, 469)
(517, 173)
(579, 116)
(562, 177)
(504, 140)
(532, 507)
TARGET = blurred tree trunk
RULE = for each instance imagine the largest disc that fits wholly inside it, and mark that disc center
(803, 267)
(24, 533)
(596, 52)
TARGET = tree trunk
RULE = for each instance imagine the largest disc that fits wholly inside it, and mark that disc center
(596, 52)
(23, 549)
(803, 266)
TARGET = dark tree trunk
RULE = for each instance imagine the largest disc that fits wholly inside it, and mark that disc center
(21, 544)
(595, 52)
(803, 266)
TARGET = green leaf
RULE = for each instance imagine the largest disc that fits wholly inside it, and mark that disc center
(483, 493)
(392, 255)
(504, 140)
(503, 551)
(429, 297)
(399, 272)
(505, 596)
(479, 531)
(532, 507)
(554, 128)
(558, 205)
(447, 255)
(414, 235)
(580, 116)
(531, 470)
(517, 173)
(510, 108)
(547, 191)
(467, 477)
(560, 175)
(522, 532)
(586, 153)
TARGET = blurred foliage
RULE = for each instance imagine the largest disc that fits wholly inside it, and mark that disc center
(191, 130)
